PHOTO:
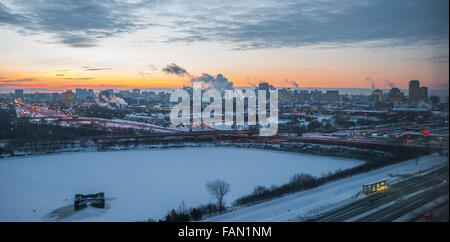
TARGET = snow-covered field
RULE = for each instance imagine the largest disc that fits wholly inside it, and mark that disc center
(296, 206)
(142, 184)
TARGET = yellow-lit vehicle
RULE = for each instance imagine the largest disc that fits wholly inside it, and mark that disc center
(376, 186)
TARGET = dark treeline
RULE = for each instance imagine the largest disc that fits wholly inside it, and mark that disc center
(302, 182)
(15, 129)
(97, 111)
(297, 183)
(192, 214)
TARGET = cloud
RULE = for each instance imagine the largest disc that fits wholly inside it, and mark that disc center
(6, 17)
(251, 24)
(251, 84)
(98, 69)
(219, 82)
(294, 83)
(380, 23)
(87, 68)
(78, 78)
(143, 74)
(109, 100)
(152, 67)
(77, 23)
(18, 80)
(390, 84)
(10, 85)
(208, 81)
(97, 86)
(439, 59)
(17, 85)
(175, 69)
(370, 81)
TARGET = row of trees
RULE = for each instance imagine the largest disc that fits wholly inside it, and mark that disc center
(302, 182)
(299, 182)
(217, 189)
(97, 111)
(13, 128)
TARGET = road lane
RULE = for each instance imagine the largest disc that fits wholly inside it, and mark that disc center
(395, 192)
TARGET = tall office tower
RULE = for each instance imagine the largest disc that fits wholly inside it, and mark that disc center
(395, 96)
(18, 93)
(416, 92)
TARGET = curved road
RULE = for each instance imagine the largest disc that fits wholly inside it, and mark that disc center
(390, 204)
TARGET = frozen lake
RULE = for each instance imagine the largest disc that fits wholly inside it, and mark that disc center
(143, 184)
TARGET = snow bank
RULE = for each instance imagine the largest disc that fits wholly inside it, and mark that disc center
(328, 196)
(142, 184)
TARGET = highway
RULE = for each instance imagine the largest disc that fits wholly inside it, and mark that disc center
(392, 203)
(121, 128)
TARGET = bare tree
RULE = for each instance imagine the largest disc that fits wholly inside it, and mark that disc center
(218, 189)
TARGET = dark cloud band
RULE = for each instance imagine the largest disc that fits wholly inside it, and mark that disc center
(241, 24)
(175, 69)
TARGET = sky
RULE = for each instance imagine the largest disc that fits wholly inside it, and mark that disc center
(54, 45)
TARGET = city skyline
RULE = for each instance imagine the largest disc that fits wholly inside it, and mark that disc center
(176, 111)
(59, 45)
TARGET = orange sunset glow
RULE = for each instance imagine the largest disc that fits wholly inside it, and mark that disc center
(252, 112)
(51, 57)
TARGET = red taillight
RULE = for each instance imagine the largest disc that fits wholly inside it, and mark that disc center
(426, 132)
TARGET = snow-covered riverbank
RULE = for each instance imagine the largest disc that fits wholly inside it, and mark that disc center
(318, 200)
(143, 184)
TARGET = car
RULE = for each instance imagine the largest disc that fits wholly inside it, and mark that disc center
(95, 200)
(427, 215)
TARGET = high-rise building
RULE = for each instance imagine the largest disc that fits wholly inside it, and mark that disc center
(110, 92)
(136, 91)
(395, 96)
(18, 93)
(55, 96)
(81, 93)
(416, 92)
(331, 95)
(377, 95)
(68, 97)
(267, 87)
